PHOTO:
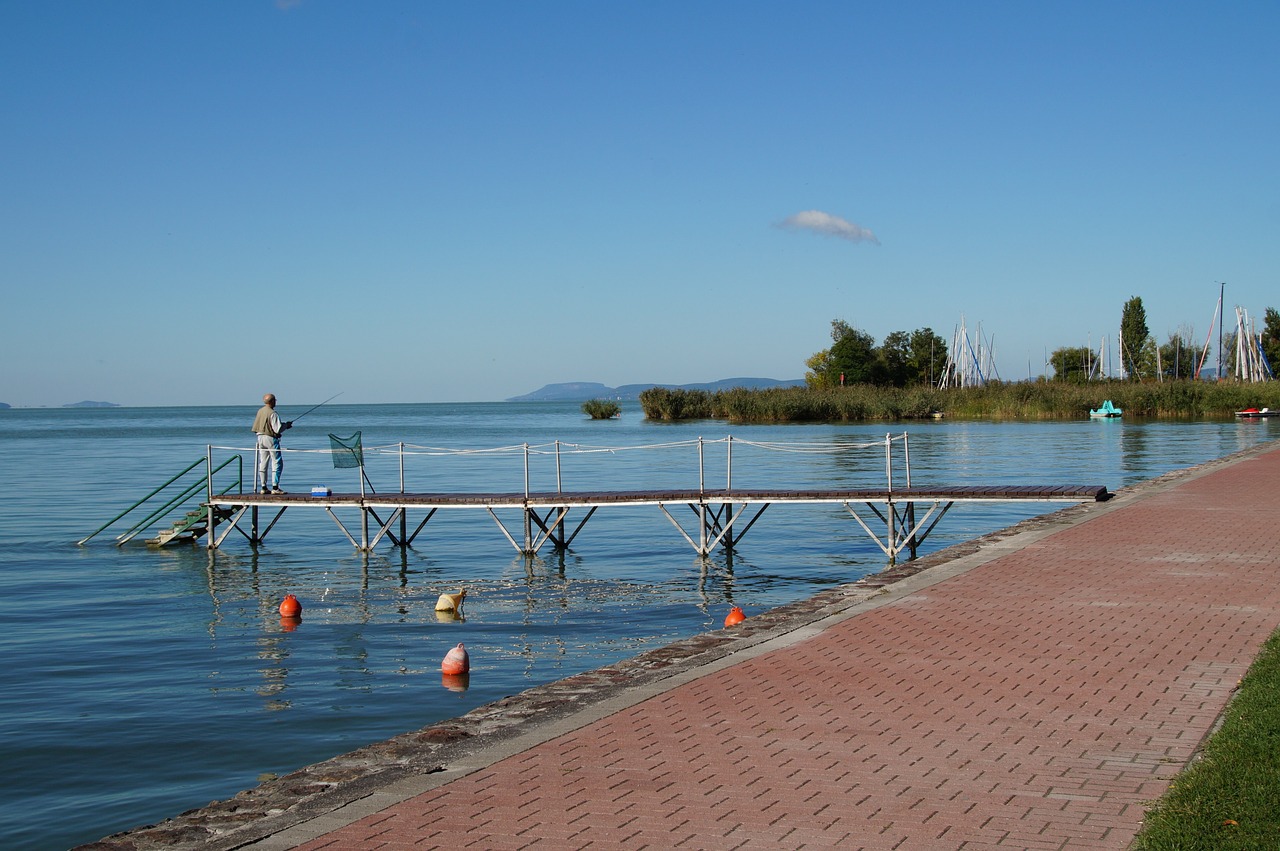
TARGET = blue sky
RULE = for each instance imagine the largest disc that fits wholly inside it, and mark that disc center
(414, 202)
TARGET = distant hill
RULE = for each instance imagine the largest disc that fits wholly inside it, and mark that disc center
(581, 391)
(568, 392)
(4, 405)
(91, 405)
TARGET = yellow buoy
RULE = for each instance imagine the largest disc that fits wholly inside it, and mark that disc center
(451, 602)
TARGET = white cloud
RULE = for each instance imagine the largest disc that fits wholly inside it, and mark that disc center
(828, 225)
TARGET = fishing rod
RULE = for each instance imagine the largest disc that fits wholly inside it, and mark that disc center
(313, 407)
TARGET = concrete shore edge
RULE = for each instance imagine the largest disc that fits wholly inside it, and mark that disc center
(286, 811)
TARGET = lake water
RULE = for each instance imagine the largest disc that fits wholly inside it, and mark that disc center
(140, 682)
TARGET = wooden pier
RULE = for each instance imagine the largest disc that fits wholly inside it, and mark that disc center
(905, 511)
(722, 517)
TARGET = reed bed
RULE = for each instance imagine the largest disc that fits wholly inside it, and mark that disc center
(1022, 400)
(601, 409)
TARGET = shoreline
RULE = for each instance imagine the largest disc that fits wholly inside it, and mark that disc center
(341, 789)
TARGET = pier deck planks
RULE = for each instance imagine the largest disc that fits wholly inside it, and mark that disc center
(955, 493)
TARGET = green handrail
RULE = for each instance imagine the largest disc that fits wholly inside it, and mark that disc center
(188, 492)
(191, 490)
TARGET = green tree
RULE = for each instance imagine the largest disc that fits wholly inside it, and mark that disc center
(852, 358)
(853, 355)
(928, 356)
(1271, 339)
(819, 374)
(1071, 363)
(1133, 337)
(903, 359)
(895, 360)
(1178, 357)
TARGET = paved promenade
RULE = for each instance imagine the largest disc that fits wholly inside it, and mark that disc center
(1037, 691)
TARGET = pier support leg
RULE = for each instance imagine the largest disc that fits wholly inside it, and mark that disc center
(211, 527)
(893, 532)
(912, 543)
(558, 533)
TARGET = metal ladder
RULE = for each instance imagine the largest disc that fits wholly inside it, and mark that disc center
(180, 492)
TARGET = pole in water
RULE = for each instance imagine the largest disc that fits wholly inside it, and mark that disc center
(313, 407)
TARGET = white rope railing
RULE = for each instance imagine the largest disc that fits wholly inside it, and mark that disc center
(586, 449)
(560, 450)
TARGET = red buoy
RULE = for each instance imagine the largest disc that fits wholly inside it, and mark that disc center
(456, 661)
(290, 607)
(735, 616)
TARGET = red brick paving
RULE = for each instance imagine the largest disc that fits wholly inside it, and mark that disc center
(1039, 701)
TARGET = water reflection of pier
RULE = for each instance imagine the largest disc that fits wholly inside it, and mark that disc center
(718, 516)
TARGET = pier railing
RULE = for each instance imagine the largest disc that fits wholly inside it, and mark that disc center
(557, 477)
(727, 483)
(560, 466)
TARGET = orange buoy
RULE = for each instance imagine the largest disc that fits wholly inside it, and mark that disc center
(735, 616)
(456, 661)
(290, 607)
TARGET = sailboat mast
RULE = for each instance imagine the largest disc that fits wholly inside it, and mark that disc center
(1222, 287)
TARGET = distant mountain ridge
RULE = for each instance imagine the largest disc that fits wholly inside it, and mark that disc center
(581, 391)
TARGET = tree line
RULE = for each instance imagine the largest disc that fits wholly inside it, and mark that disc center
(1140, 356)
(914, 358)
(904, 359)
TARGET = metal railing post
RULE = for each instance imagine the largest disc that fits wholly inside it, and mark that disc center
(912, 544)
(528, 521)
(702, 502)
(559, 530)
(700, 465)
(888, 462)
(728, 476)
(727, 506)
(404, 512)
(211, 523)
(891, 514)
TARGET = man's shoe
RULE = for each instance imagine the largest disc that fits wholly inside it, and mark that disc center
(277, 490)
(266, 490)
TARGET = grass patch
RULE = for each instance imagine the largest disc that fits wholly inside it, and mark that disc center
(1230, 798)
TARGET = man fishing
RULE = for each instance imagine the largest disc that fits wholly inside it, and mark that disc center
(268, 427)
